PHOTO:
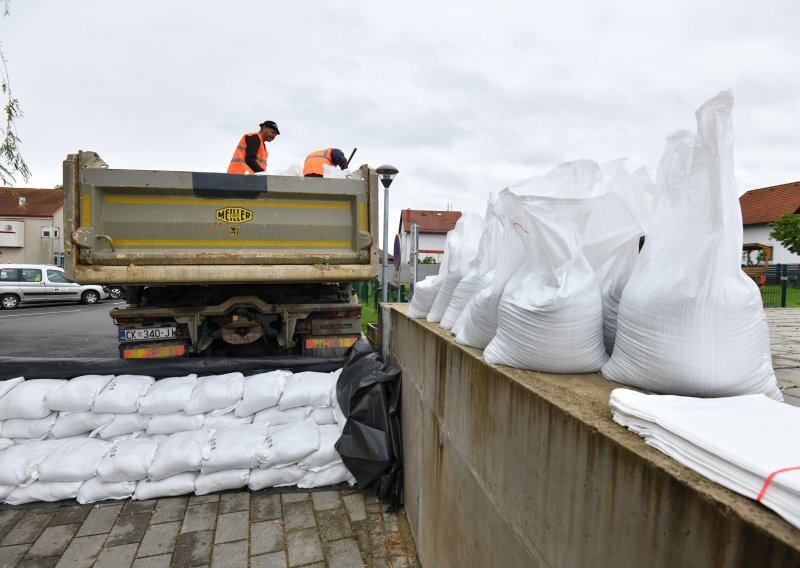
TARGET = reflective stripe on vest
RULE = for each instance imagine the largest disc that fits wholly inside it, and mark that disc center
(315, 161)
(238, 164)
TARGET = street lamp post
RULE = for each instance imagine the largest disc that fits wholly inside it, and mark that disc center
(386, 174)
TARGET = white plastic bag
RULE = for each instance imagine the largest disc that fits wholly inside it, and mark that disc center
(94, 490)
(127, 460)
(121, 425)
(290, 443)
(326, 455)
(229, 420)
(70, 424)
(221, 481)
(308, 388)
(179, 484)
(168, 396)
(425, 292)
(27, 399)
(179, 453)
(332, 475)
(48, 491)
(276, 417)
(8, 384)
(274, 477)
(77, 394)
(19, 464)
(73, 459)
(463, 243)
(261, 391)
(550, 316)
(5, 443)
(37, 428)
(236, 448)
(322, 415)
(690, 322)
(216, 393)
(172, 423)
(122, 394)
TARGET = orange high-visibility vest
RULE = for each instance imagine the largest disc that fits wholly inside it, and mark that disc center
(238, 165)
(315, 161)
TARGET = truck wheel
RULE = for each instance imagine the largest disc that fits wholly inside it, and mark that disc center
(90, 297)
(9, 301)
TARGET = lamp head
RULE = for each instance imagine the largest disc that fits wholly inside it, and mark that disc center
(386, 174)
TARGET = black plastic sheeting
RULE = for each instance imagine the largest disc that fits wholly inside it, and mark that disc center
(35, 368)
(371, 444)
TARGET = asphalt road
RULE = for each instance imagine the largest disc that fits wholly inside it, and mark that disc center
(59, 330)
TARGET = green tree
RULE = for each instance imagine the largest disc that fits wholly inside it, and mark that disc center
(786, 231)
(428, 260)
(11, 161)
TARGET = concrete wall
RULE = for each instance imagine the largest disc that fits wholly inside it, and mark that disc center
(509, 468)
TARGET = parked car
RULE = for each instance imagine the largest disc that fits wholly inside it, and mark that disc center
(114, 291)
(29, 283)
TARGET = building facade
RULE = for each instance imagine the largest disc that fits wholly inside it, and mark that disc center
(762, 206)
(31, 226)
(433, 229)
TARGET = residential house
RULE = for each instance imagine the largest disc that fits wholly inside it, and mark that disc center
(31, 225)
(433, 229)
(762, 206)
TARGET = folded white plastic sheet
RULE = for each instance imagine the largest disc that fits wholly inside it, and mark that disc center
(749, 444)
(122, 394)
(261, 391)
(690, 322)
(550, 316)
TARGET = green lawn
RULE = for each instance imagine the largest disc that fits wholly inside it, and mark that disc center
(771, 295)
(368, 315)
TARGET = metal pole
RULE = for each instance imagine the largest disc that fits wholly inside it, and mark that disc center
(384, 285)
(414, 255)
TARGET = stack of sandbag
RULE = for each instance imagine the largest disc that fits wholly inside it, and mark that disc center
(425, 291)
(747, 443)
(464, 247)
(550, 316)
(613, 233)
(98, 437)
(690, 322)
(482, 268)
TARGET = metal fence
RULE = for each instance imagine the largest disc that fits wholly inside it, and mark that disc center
(370, 293)
(781, 287)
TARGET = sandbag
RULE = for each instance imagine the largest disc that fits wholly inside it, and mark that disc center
(168, 396)
(27, 399)
(48, 491)
(19, 463)
(8, 384)
(290, 443)
(308, 388)
(274, 477)
(332, 475)
(73, 459)
(425, 292)
(215, 393)
(121, 425)
(690, 322)
(36, 428)
(179, 484)
(229, 420)
(77, 394)
(261, 391)
(242, 447)
(122, 394)
(70, 424)
(276, 417)
(221, 481)
(322, 415)
(127, 460)
(94, 490)
(172, 423)
(326, 455)
(179, 453)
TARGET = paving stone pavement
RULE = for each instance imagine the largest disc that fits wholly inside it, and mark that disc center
(336, 528)
(784, 336)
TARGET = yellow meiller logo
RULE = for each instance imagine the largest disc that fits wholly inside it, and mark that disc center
(234, 215)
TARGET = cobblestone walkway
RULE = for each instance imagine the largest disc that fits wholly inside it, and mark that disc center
(238, 529)
(784, 335)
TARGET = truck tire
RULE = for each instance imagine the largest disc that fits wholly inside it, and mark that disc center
(9, 302)
(90, 297)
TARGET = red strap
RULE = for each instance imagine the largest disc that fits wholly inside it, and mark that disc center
(769, 479)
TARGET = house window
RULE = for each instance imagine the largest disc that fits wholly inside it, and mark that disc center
(56, 233)
(46, 231)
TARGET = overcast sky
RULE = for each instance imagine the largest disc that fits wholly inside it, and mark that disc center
(462, 97)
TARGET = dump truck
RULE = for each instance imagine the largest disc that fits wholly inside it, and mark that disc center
(217, 264)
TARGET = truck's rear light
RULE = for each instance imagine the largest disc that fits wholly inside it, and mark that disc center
(158, 351)
(343, 314)
(330, 342)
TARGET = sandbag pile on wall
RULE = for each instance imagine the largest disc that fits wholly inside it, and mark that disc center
(98, 437)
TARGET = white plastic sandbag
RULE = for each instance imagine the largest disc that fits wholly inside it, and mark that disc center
(179, 453)
(290, 443)
(122, 394)
(332, 475)
(94, 490)
(48, 491)
(121, 425)
(322, 415)
(27, 399)
(229, 420)
(463, 246)
(172, 423)
(77, 394)
(8, 384)
(326, 455)
(19, 464)
(236, 448)
(36, 428)
(276, 417)
(274, 477)
(179, 484)
(550, 317)
(261, 391)
(168, 396)
(425, 292)
(5, 443)
(73, 459)
(221, 481)
(127, 460)
(690, 322)
(308, 388)
(215, 393)
(70, 424)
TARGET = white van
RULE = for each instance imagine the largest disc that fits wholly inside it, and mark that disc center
(28, 283)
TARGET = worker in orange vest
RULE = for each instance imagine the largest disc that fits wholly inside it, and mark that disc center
(315, 161)
(250, 156)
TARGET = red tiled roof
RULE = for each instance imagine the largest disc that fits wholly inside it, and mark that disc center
(429, 221)
(770, 203)
(38, 202)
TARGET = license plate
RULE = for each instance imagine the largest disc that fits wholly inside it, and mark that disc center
(151, 333)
